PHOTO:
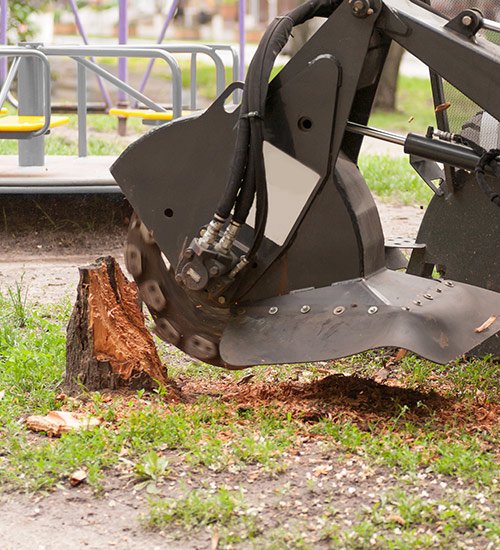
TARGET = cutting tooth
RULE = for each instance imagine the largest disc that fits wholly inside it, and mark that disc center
(133, 260)
(146, 234)
(153, 296)
(198, 346)
(166, 331)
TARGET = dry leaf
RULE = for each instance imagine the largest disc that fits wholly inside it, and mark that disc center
(77, 477)
(322, 470)
(486, 325)
(58, 422)
(401, 354)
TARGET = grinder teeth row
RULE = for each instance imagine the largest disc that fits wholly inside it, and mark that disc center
(144, 261)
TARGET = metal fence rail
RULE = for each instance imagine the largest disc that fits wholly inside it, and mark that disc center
(53, 179)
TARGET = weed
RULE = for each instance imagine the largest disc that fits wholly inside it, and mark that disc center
(18, 297)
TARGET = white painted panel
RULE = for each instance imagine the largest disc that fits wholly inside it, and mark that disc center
(289, 185)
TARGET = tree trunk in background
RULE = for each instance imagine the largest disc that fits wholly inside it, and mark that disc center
(108, 345)
(387, 88)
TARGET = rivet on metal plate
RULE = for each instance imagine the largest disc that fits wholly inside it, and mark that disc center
(305, 309)
(339, 310)
(417, 302)
(428, 297)
(273, 310)
(449, 283)
(372, 310)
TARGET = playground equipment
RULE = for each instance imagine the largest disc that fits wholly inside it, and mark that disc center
(256, 239)
(30, 63)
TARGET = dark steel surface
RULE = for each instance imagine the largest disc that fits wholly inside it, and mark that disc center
(174, 176)
(439, 325)
(461, 233)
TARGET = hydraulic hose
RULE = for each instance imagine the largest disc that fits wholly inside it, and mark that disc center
(247, 179)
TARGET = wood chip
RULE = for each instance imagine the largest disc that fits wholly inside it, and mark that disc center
(396, 518)
(77, 477)
(486, 325)
(442, 107)
(215, 539)
(58, 422)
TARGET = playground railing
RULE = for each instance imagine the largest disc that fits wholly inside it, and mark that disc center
(34, 86)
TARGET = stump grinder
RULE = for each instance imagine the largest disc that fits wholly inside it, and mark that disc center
(256, 239)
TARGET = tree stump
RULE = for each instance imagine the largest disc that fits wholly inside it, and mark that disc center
(108, 345)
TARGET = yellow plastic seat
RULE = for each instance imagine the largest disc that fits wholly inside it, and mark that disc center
(3, 111)
(146, 114)
(25, 123)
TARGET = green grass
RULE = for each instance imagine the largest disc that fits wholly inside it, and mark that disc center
(414, 108)
(32, 355)
(393, 179)
(400, 520)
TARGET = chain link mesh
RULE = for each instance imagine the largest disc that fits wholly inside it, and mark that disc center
(464, 116)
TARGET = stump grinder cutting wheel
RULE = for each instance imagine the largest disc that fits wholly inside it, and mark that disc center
(256, 239)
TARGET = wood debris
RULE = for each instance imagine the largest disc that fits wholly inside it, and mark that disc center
(77, 477)
(55, 423)
(486, 325)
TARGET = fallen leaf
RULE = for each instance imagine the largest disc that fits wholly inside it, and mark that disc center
(245, 379)
(322, 470)
(56, 423)
(77, 477)
(401, 354)
(486, 325)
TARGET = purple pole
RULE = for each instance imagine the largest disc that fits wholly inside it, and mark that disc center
(241, 25)
(3, 37)
(170, 16)
(85, 39)
(122, 39)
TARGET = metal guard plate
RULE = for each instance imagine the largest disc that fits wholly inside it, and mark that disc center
(432, 318)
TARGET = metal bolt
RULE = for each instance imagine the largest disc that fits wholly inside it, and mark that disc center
(449, 283)
(467, 20)
(417, 302)
(339, 310)
(405, 308)
(372, 310)
(214, 271)
(178, 279)
(305, 309)
(357, 6)
(428, 296)
(273, 310)
(221, 300)
(188, 253)
(439, 290)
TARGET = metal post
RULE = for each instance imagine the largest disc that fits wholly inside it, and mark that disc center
(3, 37)
(122, 62)
(83, 34)
(29, 87)
(170, 16)
(241, 25)
(82, 109)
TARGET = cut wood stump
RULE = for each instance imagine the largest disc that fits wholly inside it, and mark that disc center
(108, 345)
